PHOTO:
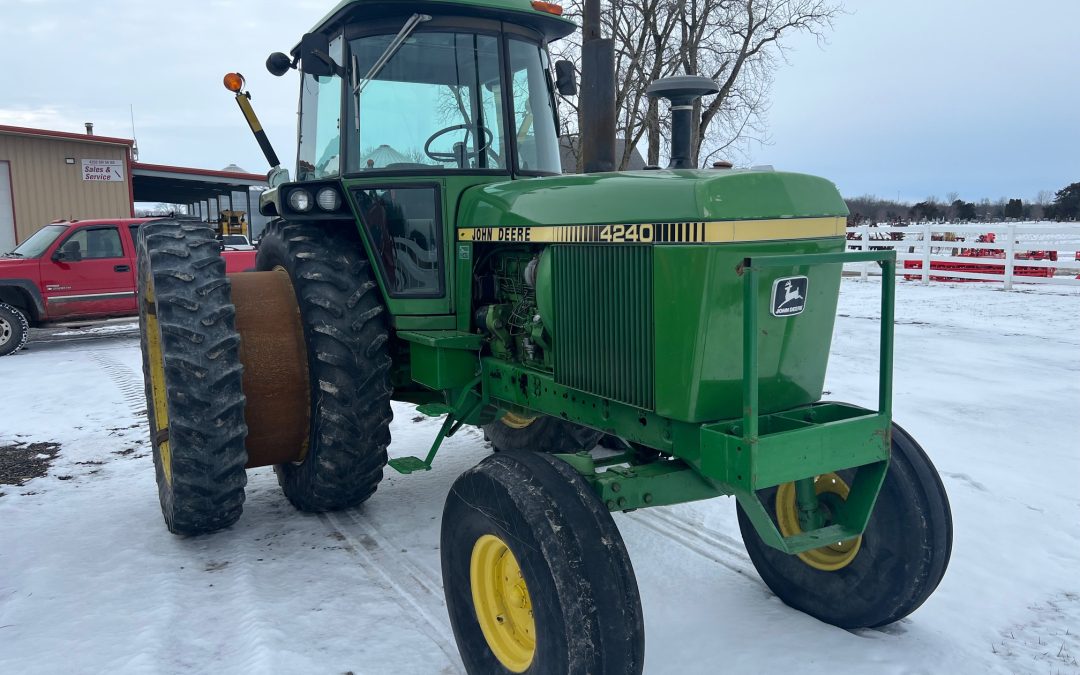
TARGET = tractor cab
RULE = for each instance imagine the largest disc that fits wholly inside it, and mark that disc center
(428, 96)
(405, 109)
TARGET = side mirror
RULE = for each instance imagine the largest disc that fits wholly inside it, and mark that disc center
(315, 55)
(565, 78)
(69, 252)
(278, 64)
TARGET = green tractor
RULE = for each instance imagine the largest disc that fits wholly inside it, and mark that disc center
(430, 251)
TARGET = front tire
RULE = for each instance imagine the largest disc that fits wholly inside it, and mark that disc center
(346, 333)
(14, 329)
(887, 573)
(192, 375)
(536, 575)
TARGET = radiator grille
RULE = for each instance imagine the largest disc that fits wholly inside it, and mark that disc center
(604, 321)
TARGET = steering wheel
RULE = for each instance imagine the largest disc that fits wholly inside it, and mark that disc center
(450, 156)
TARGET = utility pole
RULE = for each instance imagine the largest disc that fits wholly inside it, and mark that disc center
(597, 93)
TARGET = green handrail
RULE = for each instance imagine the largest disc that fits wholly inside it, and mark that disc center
(751, 268)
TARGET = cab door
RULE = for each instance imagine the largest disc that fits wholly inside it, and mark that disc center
(89, 274)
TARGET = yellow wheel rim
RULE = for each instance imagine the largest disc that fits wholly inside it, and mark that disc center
(501, 600)
(827, 558)
(157, 383)
(517, 421)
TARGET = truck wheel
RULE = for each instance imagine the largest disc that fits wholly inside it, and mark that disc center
(880, 577)
(345, 328)
(192, 374)
(14, 329)
(536, 575)
(542, 433)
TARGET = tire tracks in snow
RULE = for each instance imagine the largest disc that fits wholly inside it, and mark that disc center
(252, 637)
(126, 380)
(414, 589)
(721, 548)
(250, 624)
(208, 615)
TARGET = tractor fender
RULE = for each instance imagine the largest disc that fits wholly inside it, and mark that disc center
(24, 294)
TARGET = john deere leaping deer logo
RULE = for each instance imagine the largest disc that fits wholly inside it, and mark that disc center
(789, 296)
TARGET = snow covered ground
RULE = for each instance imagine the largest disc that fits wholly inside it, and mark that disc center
(90, 581)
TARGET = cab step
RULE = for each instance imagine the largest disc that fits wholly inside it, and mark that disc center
(434, 409)
(407, 465)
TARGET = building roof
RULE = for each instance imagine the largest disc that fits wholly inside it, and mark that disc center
(146, 168)
(65, 135)
(181, 184)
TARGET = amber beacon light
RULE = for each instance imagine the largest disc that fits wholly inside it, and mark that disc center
(234, 82)
(549, 7)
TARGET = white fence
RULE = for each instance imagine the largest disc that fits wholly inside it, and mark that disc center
(1015, 251)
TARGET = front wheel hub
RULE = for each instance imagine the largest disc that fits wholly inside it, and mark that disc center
(829, 487)
(502, 603)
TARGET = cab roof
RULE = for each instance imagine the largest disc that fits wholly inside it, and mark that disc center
(511, 11)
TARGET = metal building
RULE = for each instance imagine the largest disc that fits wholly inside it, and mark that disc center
(48, 175)
(53, 175)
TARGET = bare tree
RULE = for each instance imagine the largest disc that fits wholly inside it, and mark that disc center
(733, 42)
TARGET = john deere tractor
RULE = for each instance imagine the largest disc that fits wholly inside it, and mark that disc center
(431, 251)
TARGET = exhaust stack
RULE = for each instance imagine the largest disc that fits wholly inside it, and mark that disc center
(597, 94)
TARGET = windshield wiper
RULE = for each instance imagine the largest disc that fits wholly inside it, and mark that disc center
(391, 49)
(395, 44)
(13, 254)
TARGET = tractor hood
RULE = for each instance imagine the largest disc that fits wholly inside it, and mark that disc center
(625, 197)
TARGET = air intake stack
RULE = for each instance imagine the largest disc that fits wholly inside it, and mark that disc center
(682, 91)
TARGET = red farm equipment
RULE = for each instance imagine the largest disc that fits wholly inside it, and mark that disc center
(981, 262)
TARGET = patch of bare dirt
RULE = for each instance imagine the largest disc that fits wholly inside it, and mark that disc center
(23, 462)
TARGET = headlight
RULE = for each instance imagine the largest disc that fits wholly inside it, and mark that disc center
(328, 199)
(300, 200)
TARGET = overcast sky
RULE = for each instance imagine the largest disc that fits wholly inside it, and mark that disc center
(911, 98)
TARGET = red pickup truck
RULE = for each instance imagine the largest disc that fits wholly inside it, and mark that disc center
(75, 271)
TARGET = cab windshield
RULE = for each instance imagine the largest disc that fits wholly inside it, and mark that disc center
(39, 242)
(435, 104)
(441, 103)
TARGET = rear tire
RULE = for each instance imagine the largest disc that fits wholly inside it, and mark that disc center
(903, 554)
(14, 329)
(542, 434)
(577, 611)
(192, 374)
(344, 320)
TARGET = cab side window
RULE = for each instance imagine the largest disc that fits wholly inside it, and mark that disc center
(534, 110)
(94, 243)
(320, 122)
(134, 236)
